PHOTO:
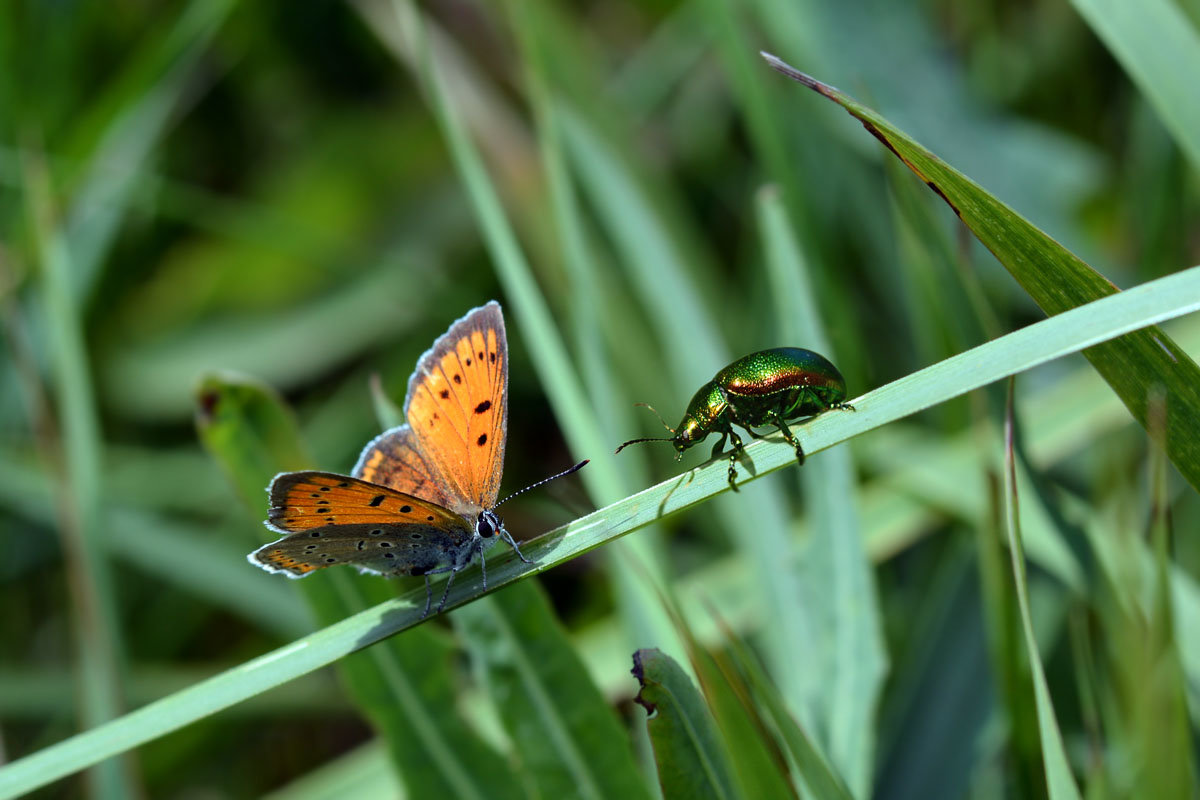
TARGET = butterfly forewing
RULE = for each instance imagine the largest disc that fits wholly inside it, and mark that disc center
(457, 408)
(332, 519)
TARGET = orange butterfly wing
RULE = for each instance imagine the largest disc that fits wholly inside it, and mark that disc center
(452, 449)
(332, 519)
(394, 459)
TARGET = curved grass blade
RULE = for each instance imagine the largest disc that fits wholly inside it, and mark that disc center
(139, 108)
(577, 421)
(1056, 279)
(568, 739)
(688, 748)
(812, 766)
(1160, 49)
(845, 677)
(1029, 347)
(1060, 783)
(95, 622)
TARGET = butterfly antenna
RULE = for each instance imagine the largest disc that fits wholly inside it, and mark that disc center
(562, 474)
(635, 441)
(660, 419)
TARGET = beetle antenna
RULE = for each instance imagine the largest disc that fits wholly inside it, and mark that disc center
(635, 441)
(660, 419)
(562, 474)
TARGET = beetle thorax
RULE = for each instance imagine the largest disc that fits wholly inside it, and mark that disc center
(702, 416)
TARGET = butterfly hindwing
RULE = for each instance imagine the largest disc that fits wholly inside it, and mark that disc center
(332, 519)
(394, 459)
(457, 409)
(385, 548)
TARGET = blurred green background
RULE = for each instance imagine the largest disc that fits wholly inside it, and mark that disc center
(264, 190)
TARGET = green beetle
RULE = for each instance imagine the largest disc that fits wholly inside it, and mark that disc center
(769, 387)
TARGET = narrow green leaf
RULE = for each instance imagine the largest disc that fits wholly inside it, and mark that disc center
(676, 309)
(568, 739)
(636, 597)
(154, 380)
(1036, 344)
(813, 767)
(688, 748)
(1159, 47)
(758, 761)
(80, 485)
(1056, 279)
(244, 424)
(1060, 783)
(845, 676)
(140, 106)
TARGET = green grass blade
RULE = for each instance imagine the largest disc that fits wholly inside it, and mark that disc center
(688, 748)
(570, 742)
(1060, 783)
(758, 762)
(1036, 344)
(154, 380)
(812, 765)
(677, 312)
(252, 434)
(846, 675)
(1056, 279)
(96, 625)
(637, 600)
(216, 568)
(140, 107)
(1159, 47)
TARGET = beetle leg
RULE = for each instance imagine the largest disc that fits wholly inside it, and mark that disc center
(733, 457)
(787, 435)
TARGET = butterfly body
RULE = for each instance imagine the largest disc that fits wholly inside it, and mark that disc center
(422, 495)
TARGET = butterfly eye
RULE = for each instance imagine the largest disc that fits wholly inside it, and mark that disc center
(484, 527)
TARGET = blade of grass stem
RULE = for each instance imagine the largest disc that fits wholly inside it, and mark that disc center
(844, 680)
(96, 625)
(1060, 783)
(1159, 47)
(576, 420)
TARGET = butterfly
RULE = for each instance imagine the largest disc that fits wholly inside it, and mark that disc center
(422, 497)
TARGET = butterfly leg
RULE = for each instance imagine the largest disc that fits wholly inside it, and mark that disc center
(461, 560)
(506, 536)
(446, 591)
(482, 563)
(428, 596)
